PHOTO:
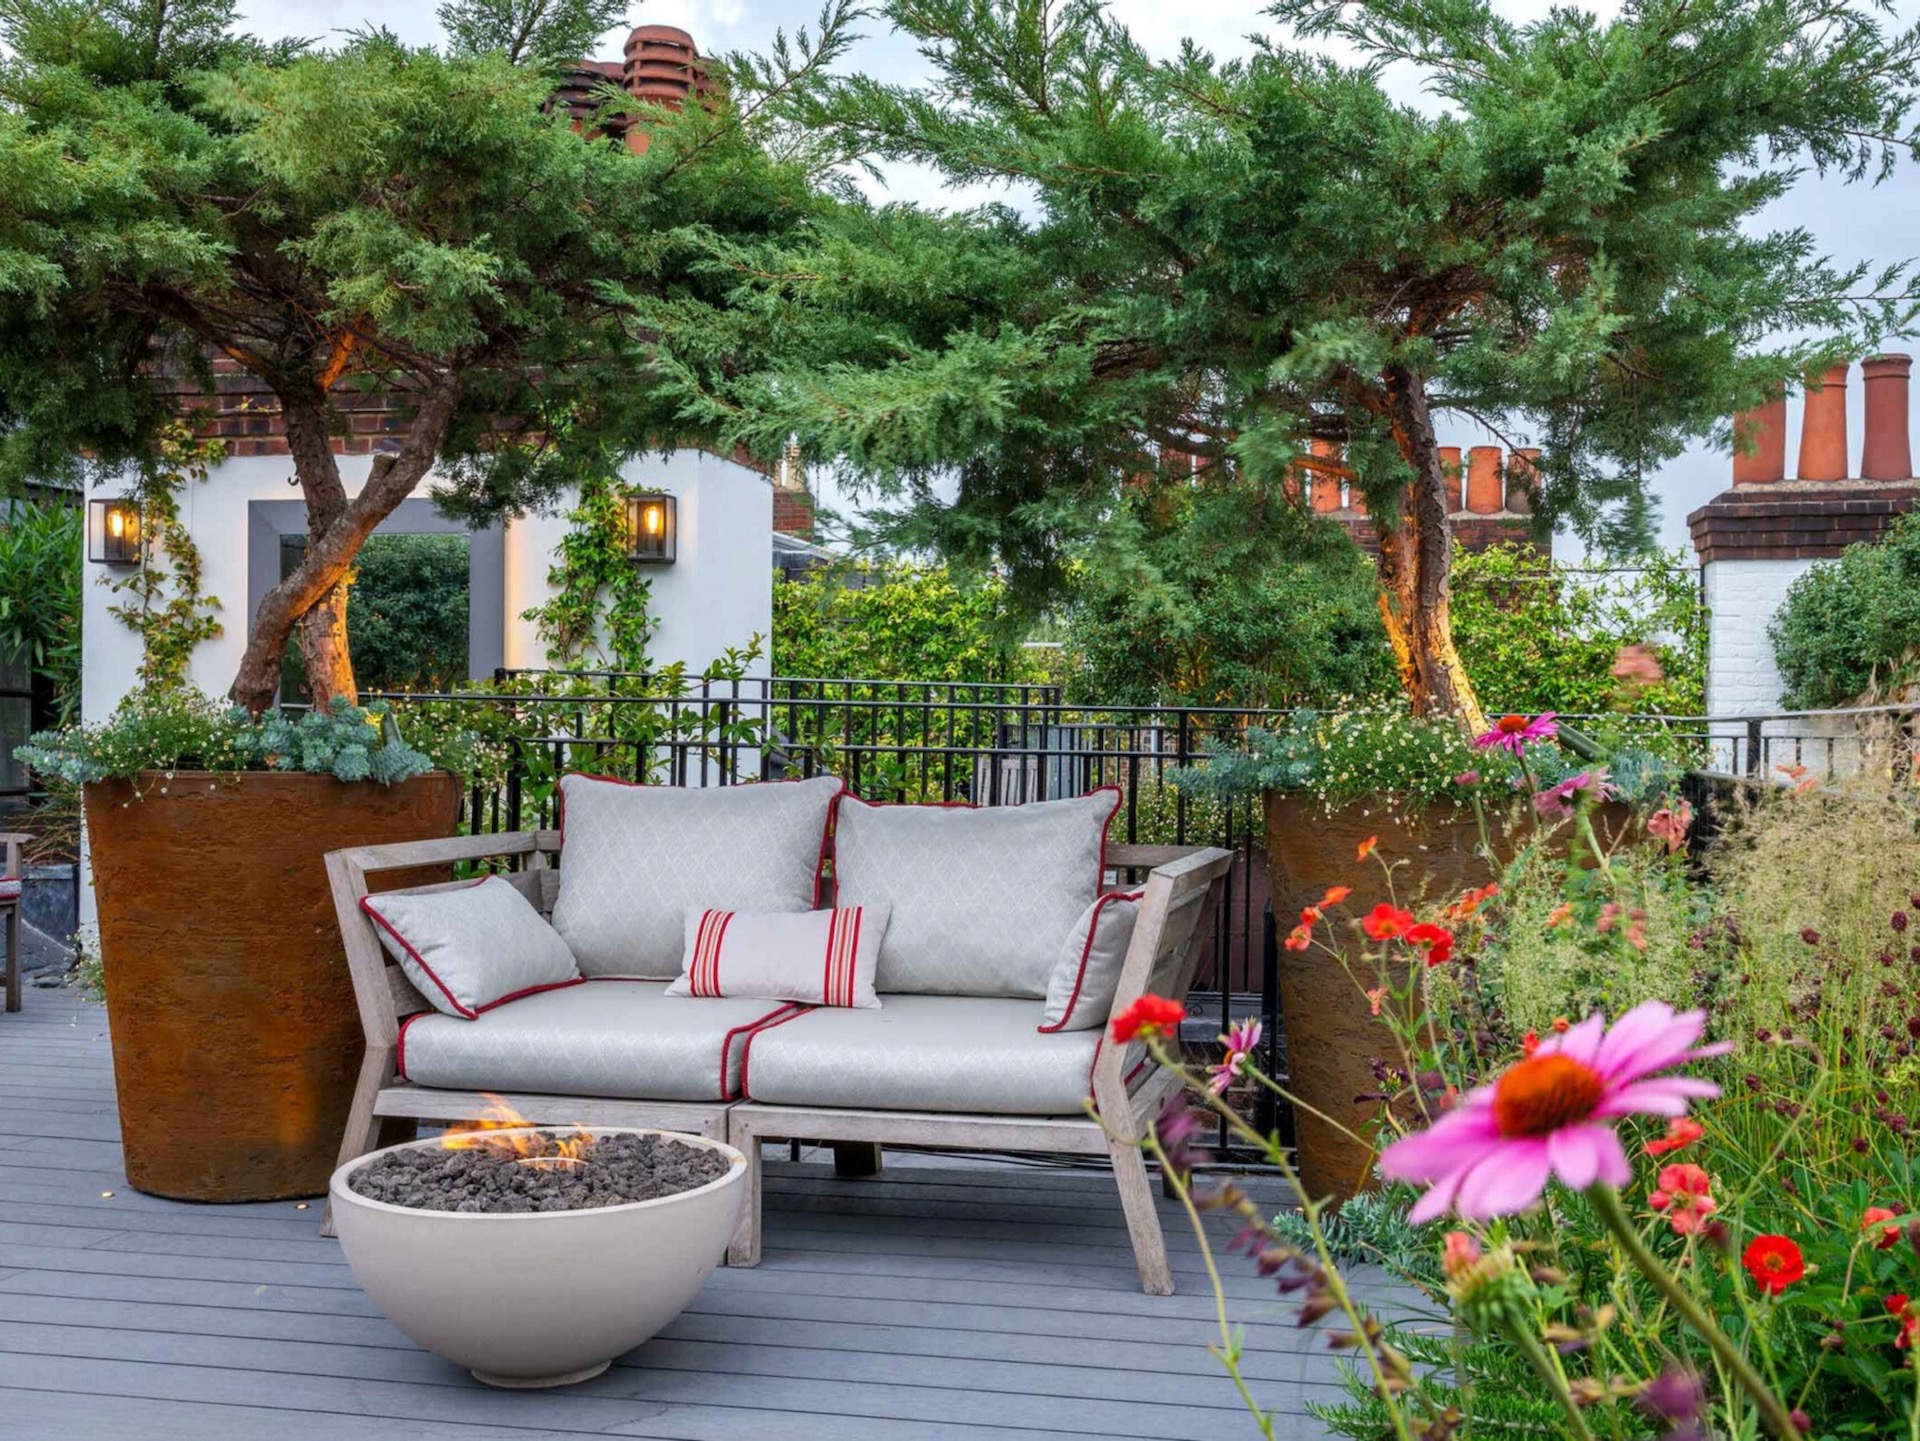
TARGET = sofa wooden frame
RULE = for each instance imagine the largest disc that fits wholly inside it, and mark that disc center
(1182, 884)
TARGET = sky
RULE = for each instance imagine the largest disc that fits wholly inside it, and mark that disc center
(1849, 223)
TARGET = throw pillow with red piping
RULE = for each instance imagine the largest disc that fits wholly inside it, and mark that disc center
(821, 958)
(1086, 976)
(473, 947)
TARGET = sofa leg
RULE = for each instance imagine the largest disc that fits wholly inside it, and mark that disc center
(854, 1159)
(364, 1131)
(1143, 1218)
(744, 1249)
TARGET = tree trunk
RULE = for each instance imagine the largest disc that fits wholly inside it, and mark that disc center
(314, 597)
(1416, 559)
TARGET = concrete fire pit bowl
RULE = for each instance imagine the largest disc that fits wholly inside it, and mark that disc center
(543, 1298)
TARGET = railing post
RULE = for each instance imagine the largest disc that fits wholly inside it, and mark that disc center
(516, 762)
(1756, 764)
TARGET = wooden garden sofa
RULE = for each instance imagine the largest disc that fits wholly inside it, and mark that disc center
(1178, 894)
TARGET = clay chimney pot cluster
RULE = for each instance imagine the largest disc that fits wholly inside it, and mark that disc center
(1450, 468)
(1885, 454)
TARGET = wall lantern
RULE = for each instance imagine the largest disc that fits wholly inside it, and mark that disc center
(115, 537)
(652, 529)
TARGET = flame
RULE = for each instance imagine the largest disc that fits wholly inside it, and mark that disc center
(504, 1131)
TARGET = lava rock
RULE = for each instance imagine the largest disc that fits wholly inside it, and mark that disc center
(489, 1180)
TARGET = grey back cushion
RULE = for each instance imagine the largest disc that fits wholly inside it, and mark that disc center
(982, 900)
(634, 859)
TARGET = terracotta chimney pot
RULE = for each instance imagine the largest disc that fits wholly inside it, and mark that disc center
(1450, 468)
(1763, 430)
(1523, 479)
(1324, 485)
(1887, 454)
(1823, 427)
(1484, 489)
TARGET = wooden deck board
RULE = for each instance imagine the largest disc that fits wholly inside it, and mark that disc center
(945, 1298)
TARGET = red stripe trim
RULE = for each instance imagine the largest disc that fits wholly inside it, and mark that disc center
(851, 961)
(400, 1044)
(529, 991)
(716, 946)
(784, 1012)
(1086, 952)
(826, 969)
(366, 904)
(746, 1055)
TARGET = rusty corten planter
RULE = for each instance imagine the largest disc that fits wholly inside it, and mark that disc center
(236, 1039)
(1331, 1032)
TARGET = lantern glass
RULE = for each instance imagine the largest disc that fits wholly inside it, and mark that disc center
(652, 529)
(116, 531)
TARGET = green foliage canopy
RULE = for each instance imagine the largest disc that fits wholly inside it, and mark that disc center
(1849, 629)
(1224, 259)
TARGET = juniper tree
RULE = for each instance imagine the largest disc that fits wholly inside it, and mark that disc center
(378, 217)
(1228, 260)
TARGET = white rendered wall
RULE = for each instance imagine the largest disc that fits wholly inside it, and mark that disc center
(718, 594)
(1743, 596)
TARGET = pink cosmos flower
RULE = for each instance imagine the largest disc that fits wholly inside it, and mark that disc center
(1515, 732)
(1239, 1041)
(1551, 1113)
(1560, 800)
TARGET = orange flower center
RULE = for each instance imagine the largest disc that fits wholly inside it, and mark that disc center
(1544, 1093)
(1511, 725)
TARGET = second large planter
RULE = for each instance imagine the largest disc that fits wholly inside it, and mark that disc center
(1332, 1035)
(236, 1039)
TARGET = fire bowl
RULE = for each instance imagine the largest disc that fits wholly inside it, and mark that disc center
(542, 1298)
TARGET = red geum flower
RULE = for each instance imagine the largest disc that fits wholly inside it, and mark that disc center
(1149, 1016)
(1878, 1216)
(1898, 1306)
(1774, 1262)
(1367, 848)
(1436, 941)
(1385, 921)
(1299, 938)
(1682, 1131)
(1334, 895)
(1683, 1193)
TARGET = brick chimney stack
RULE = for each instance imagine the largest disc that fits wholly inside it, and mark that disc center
(792, 504)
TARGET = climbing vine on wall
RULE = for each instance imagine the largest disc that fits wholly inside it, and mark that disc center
(163, 601)
(598, 611)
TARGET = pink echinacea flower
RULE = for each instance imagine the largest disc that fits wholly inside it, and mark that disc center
(1551, 1114)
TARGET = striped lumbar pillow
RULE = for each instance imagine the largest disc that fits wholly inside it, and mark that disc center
(821, 958)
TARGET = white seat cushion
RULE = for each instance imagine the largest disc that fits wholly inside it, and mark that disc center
(924, 1053)
(982, 899)
(623, 1039)
(634, 859)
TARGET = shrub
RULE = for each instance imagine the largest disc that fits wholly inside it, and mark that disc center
(1538, 635)
(896, 622)
(1850, 627)
(40, 571)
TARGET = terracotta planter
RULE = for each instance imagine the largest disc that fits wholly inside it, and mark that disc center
(1331, 1034)
(236, 1038)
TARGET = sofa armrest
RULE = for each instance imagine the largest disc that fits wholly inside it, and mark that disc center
(380, 990)
(1165, 951)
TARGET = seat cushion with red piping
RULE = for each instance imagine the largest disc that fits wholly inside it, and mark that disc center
(1086, 974)
(634, 859)
(982, 899)
(472, 947)
(972, 1054)
(9, 889)
(620, 1039)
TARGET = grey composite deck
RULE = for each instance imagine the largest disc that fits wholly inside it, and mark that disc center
(943, 1299)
